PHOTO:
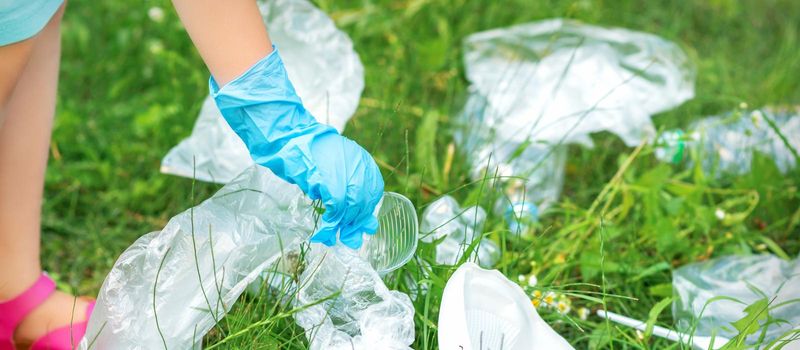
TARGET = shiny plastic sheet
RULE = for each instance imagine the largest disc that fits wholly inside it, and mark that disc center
(743, 278)
(323, 67)
(457, 229)
(728, 142)
(191, 272)
(347, 306)
(540, 164)
(559, 80)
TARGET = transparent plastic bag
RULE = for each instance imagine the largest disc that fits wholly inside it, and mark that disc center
(559, 80)
(180, 281)
(743, 278)
(539, 86)
(345, 304)
(457, 228)
(323, 67)
(728, 142)
(191, 272)
(539, 163)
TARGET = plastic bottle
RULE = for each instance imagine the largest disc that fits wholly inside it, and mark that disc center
(725, 144)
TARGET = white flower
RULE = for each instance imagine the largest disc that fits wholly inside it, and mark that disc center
(720, 214)
(521, 278)
(743, 105)
(549, 299)
(532, 280)
(563, 307)
(156, 14)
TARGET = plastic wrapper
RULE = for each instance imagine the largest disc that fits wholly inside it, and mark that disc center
(539, 86)
(746, 279)
(347, 306)
(323, 67)
(178, 282)
(538, 167)
(454, 230)
(728, 142)
(559, 80)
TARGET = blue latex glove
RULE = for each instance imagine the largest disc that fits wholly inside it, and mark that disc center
(263, 109)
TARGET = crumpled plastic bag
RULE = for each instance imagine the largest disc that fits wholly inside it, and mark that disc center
(728, 141)
(540, 164)
(538, 86)
(178, 282)
(744, 278)
(345, 304)
(191, 272)
(559, 80)
(323, 67)
(457, 228)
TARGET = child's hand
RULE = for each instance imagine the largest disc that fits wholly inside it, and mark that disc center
(348, 182)
(263, 109)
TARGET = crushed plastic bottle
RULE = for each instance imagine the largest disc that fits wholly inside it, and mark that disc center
(746, 279)
(539, 86)
(310, 45)
(345, 304)
(170, 287)
(457, 229)
(725, 144)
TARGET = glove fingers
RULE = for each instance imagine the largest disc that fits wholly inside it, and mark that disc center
(351, 236)
(325, 235)
(370, 225)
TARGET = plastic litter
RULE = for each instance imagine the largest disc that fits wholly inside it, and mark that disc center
(743, 278)
(538, 166)
(310, 45)
(697, 342)
(347, 305)
(482, 309)
(455, 229)
(395, 242)
(726, 143)
(191, 273)
(539, 86)
(559, 80)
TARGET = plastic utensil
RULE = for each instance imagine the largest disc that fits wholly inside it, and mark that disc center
(395, 242)
(482, 309)
(697, 342)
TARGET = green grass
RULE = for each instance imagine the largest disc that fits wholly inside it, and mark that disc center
(131, 88)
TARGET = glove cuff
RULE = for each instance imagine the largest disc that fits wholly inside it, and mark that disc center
(268, 74)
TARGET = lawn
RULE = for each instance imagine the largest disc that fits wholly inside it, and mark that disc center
(131, 88)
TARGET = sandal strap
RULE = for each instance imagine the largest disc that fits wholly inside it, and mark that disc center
(13, 311)
(64, 338)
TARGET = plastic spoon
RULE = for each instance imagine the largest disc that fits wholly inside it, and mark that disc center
(697, 342)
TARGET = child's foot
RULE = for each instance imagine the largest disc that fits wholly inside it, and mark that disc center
(54, 313)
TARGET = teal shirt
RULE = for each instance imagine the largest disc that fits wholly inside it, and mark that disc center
(22, 19)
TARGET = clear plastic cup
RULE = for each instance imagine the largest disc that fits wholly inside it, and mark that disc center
(395, 242)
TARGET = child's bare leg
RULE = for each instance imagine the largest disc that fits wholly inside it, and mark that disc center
(14, 58)
(24, 141)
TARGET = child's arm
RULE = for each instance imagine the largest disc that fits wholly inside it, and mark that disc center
(256, 98)
(229, 34)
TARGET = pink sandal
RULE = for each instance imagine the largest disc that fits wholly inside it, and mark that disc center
(13, 311)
